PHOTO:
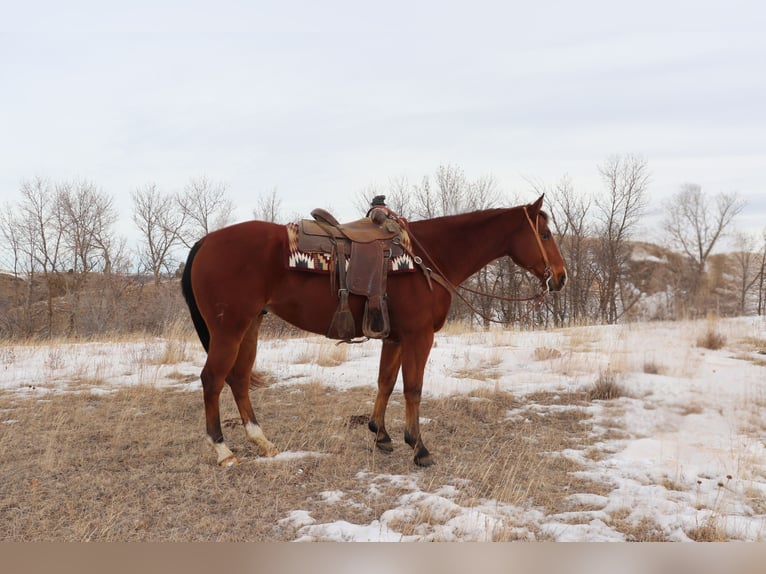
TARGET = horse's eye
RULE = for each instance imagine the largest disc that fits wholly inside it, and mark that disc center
(546, 235)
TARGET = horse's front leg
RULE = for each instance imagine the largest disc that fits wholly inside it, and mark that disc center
(414, 357)
(390, 362)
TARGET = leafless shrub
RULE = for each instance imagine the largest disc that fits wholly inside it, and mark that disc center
(606, 387)
(652, 368)
(711, 339)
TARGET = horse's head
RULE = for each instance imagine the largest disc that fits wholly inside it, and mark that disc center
(535, 249)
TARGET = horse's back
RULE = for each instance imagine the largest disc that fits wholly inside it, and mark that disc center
(252, 231)
(246, 240)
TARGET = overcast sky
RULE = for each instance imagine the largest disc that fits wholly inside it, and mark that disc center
(322, 99)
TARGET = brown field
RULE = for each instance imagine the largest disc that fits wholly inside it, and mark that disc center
(109, 444)
(133, 465)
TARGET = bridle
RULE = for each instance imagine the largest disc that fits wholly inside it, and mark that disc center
(547, 272)
(435, 274)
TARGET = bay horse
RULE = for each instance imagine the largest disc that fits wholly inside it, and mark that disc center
(235, 274)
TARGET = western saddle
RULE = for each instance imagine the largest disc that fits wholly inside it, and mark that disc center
(360, 256)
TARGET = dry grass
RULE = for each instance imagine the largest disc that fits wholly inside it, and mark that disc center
(753, 350)
(693, 408)
(325, 354)
(754, 344)
(582, 339)
(133, 465)
(712, 338)
(606, 387)
(708, 531)
(332, 354)
(482, 368)
(546, 354)
(756, 499)
(758, 361)
(458, 328)
(651, 367)
(643, 530)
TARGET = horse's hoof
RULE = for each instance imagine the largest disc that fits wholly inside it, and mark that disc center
(423, 458)
(228, 462)
(385, 445)
(269, 451)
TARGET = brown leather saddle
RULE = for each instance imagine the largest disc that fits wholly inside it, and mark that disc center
(360, 254)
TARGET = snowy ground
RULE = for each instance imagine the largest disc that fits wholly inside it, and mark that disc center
(692, 452)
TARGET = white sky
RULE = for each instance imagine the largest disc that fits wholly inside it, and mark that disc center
(323, 99)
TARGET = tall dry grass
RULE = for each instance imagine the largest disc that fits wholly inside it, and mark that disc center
(133, 465)
(712, 338)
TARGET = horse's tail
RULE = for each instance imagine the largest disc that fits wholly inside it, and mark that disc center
(186, 288)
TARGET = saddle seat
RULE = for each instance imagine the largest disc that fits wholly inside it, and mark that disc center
(362, 230)
(367, 244)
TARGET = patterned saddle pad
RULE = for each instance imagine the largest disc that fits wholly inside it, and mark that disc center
(319, 261)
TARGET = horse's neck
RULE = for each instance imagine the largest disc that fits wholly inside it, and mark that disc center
(461, 245)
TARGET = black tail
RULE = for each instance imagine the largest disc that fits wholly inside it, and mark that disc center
(186, 289)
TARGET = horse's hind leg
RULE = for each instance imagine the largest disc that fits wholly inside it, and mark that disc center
(220, 358)
(390, 361)
(239, 380)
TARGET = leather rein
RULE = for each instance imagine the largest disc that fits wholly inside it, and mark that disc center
(435, 274)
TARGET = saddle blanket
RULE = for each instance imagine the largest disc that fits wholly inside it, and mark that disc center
(319, 262)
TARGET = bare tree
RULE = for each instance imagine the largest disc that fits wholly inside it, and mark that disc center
(424, 202)
(398, 197)
(38, 218)
(618, 210)
(483, 193)
(42, 240)
(571, 214)
(363, 198)
(269, 207)
(762, 276)
(745, 264)
(450, 194)
(204, 207)
(85, 216)
(694, 225)
(161, 226)
(16, 247)
(59, 235)
(11, 232)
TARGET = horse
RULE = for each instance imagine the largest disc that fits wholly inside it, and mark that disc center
(236, 274)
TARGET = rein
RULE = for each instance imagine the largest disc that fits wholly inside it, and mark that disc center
(438, 275)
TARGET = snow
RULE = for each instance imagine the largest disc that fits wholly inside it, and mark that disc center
(692, 448)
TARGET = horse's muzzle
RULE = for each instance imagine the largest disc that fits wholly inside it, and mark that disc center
(556, 281)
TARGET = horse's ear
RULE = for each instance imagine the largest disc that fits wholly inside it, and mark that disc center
(535, 208)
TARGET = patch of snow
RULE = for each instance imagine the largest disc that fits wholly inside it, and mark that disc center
(691, 448)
